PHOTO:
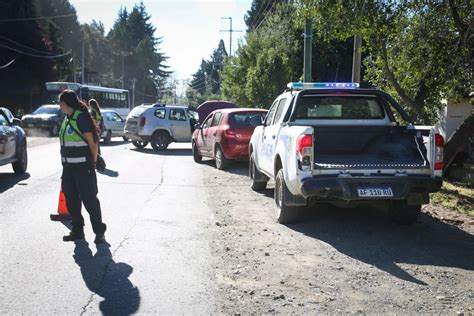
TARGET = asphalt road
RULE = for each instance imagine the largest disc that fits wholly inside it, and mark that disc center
(157, 259)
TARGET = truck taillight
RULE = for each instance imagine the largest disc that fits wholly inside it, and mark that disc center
(304, 147)
(439, 152)
(142, 121)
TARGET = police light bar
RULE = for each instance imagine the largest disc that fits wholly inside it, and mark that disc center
(309, 85)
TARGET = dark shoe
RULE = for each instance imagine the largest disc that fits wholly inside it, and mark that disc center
(73, 236)
(99, 239)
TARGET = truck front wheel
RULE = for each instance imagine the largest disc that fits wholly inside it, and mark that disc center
(284, 214)
(254, 174)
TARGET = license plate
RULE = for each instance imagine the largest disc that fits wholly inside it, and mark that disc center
(29, 125)
(375, 192)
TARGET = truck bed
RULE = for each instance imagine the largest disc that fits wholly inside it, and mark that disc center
(368, 147)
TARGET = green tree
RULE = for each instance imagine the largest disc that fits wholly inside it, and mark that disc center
(132, 40)
(267, 62)
(272, 56)
(206, 82)
(419, 51)
(24, 51)
(98, 64)
(258, 10)
(63, 34)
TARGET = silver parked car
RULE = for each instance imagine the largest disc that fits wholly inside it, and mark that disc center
(114, 126)
(12, 142)
(159, 125)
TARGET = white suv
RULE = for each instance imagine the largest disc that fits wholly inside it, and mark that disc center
(159, 125)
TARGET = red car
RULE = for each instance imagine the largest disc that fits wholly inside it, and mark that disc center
(225, 135)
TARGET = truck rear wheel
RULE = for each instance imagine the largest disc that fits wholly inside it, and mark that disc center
(253, 172)
(404, 214)
(284, 214)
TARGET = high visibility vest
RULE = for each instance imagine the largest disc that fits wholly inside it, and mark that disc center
(74, 149)
(98, 119)
(97, 116)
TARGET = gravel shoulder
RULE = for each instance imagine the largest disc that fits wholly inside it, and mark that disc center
(336, 260)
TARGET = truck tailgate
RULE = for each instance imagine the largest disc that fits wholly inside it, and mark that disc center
(367, 147)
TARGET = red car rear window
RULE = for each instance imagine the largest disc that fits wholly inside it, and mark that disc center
(247, 118)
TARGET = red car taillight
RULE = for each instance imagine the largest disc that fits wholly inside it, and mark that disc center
(142, 121)
(439, 152)
(229, 133)
(304, 147)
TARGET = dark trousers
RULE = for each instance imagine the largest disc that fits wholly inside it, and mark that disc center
(80, 187)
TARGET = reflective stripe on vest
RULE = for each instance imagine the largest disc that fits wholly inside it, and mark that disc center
(74, 150)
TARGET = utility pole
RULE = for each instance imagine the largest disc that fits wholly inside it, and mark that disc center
(73, 67)
(122, 69)
(82, 71)
(122, 54)
(356, 59)
(308, 50)
(133, 93)
(230, 30)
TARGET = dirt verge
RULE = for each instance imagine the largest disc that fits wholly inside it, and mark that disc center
(336, 260)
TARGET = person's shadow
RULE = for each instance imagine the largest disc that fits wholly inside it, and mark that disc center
(107, 279)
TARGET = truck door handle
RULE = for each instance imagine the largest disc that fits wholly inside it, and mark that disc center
(273, 136)
(264, 137)
(214, 134)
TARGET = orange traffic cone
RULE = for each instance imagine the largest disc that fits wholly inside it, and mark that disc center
(63, 214)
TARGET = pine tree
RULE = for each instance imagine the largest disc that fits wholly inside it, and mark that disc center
(133, 37)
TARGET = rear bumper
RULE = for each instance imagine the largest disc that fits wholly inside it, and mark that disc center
(39, 125)
(235, 150)
(337, 188)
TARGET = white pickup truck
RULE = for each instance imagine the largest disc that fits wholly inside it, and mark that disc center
(340, 144)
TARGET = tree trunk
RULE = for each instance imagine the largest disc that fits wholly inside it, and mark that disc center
(417, 107)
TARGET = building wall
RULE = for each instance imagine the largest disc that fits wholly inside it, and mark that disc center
(452, 116)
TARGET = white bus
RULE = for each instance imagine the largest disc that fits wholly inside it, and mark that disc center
(108, 98)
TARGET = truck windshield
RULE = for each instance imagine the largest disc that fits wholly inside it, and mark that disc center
(347, 107)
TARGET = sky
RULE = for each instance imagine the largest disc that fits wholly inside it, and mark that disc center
(190, 29)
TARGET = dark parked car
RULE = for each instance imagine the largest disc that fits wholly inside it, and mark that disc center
(47, 117)
(12, 142)
(225, 135)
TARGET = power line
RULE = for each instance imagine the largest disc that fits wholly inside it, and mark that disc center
(34, 55)
(197, 82)
(8, 64)
(199, 87)
(265, 17)
(38, 18)
(146, 95)
(24, 46)
(264, 5)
